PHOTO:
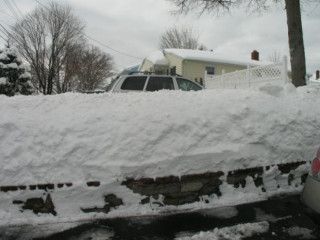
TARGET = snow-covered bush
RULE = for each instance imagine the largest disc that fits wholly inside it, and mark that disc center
(14, 78)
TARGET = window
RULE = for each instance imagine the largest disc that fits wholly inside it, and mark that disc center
(134, 83)
(210, 70)
(187, 85)
(159, 83)
(160, 70)
(173, 71)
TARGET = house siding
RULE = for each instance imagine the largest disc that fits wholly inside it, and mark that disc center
(195, 70)
(147, 66)
(175, 62)
(192, 69)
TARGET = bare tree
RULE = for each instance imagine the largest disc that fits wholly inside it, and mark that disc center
(43, 37)
(95, 67)
(67, 80)
(296, 45)
(180, 37)
(275, 56)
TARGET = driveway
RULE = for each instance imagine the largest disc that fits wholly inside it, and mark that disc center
(278, 218)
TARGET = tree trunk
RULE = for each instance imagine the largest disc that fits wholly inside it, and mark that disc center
(295, 35)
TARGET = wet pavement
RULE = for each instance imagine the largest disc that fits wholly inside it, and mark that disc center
(286, 217)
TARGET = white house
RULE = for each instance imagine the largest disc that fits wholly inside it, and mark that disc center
(194, 63)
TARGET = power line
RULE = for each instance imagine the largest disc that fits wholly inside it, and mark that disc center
(7, 14)
(3, 41)
(5, 23)
(3, 33)
(111, 47)
(14, 3)
(11, 8)
(4, 30)
(102, 44)
(3, 37)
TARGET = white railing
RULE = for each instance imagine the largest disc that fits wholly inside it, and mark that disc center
(251, 77)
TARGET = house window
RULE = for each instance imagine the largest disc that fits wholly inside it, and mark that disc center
(173, 71)
(159, 70)
(210, 70)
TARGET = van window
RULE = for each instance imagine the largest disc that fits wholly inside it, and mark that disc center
(159, 83)
(187, 85)
(134, 83)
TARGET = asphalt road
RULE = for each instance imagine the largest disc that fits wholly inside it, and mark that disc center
(282, 214)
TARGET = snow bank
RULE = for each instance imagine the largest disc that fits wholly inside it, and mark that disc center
(79, 138)
(107, 137)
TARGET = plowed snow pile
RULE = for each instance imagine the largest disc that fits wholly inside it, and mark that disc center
(78, 137)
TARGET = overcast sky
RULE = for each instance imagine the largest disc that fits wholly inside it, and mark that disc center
(134, 28)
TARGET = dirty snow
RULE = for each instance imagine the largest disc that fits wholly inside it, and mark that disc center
(236, 232)
(302, 233)
(262, 216)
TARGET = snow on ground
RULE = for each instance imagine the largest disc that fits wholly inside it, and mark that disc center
(302, 233)
(235, 232)
(110, 137)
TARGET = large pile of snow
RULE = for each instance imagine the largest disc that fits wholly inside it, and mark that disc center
(109, 137)
(78, 137)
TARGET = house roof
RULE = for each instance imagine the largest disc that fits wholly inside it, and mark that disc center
(127, 70)
(209, 56)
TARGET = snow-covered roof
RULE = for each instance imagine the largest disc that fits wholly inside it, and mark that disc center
(157, 58)
(130, 69)
(133, 67)
(209, 56)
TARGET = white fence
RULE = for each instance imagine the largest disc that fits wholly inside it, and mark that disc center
(252, 77)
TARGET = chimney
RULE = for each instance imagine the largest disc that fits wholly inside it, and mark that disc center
(317, 74)
(255, 55)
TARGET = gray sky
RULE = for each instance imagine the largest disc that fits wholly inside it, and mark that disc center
(134, 27)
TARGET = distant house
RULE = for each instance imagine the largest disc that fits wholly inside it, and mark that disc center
(194, 63)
